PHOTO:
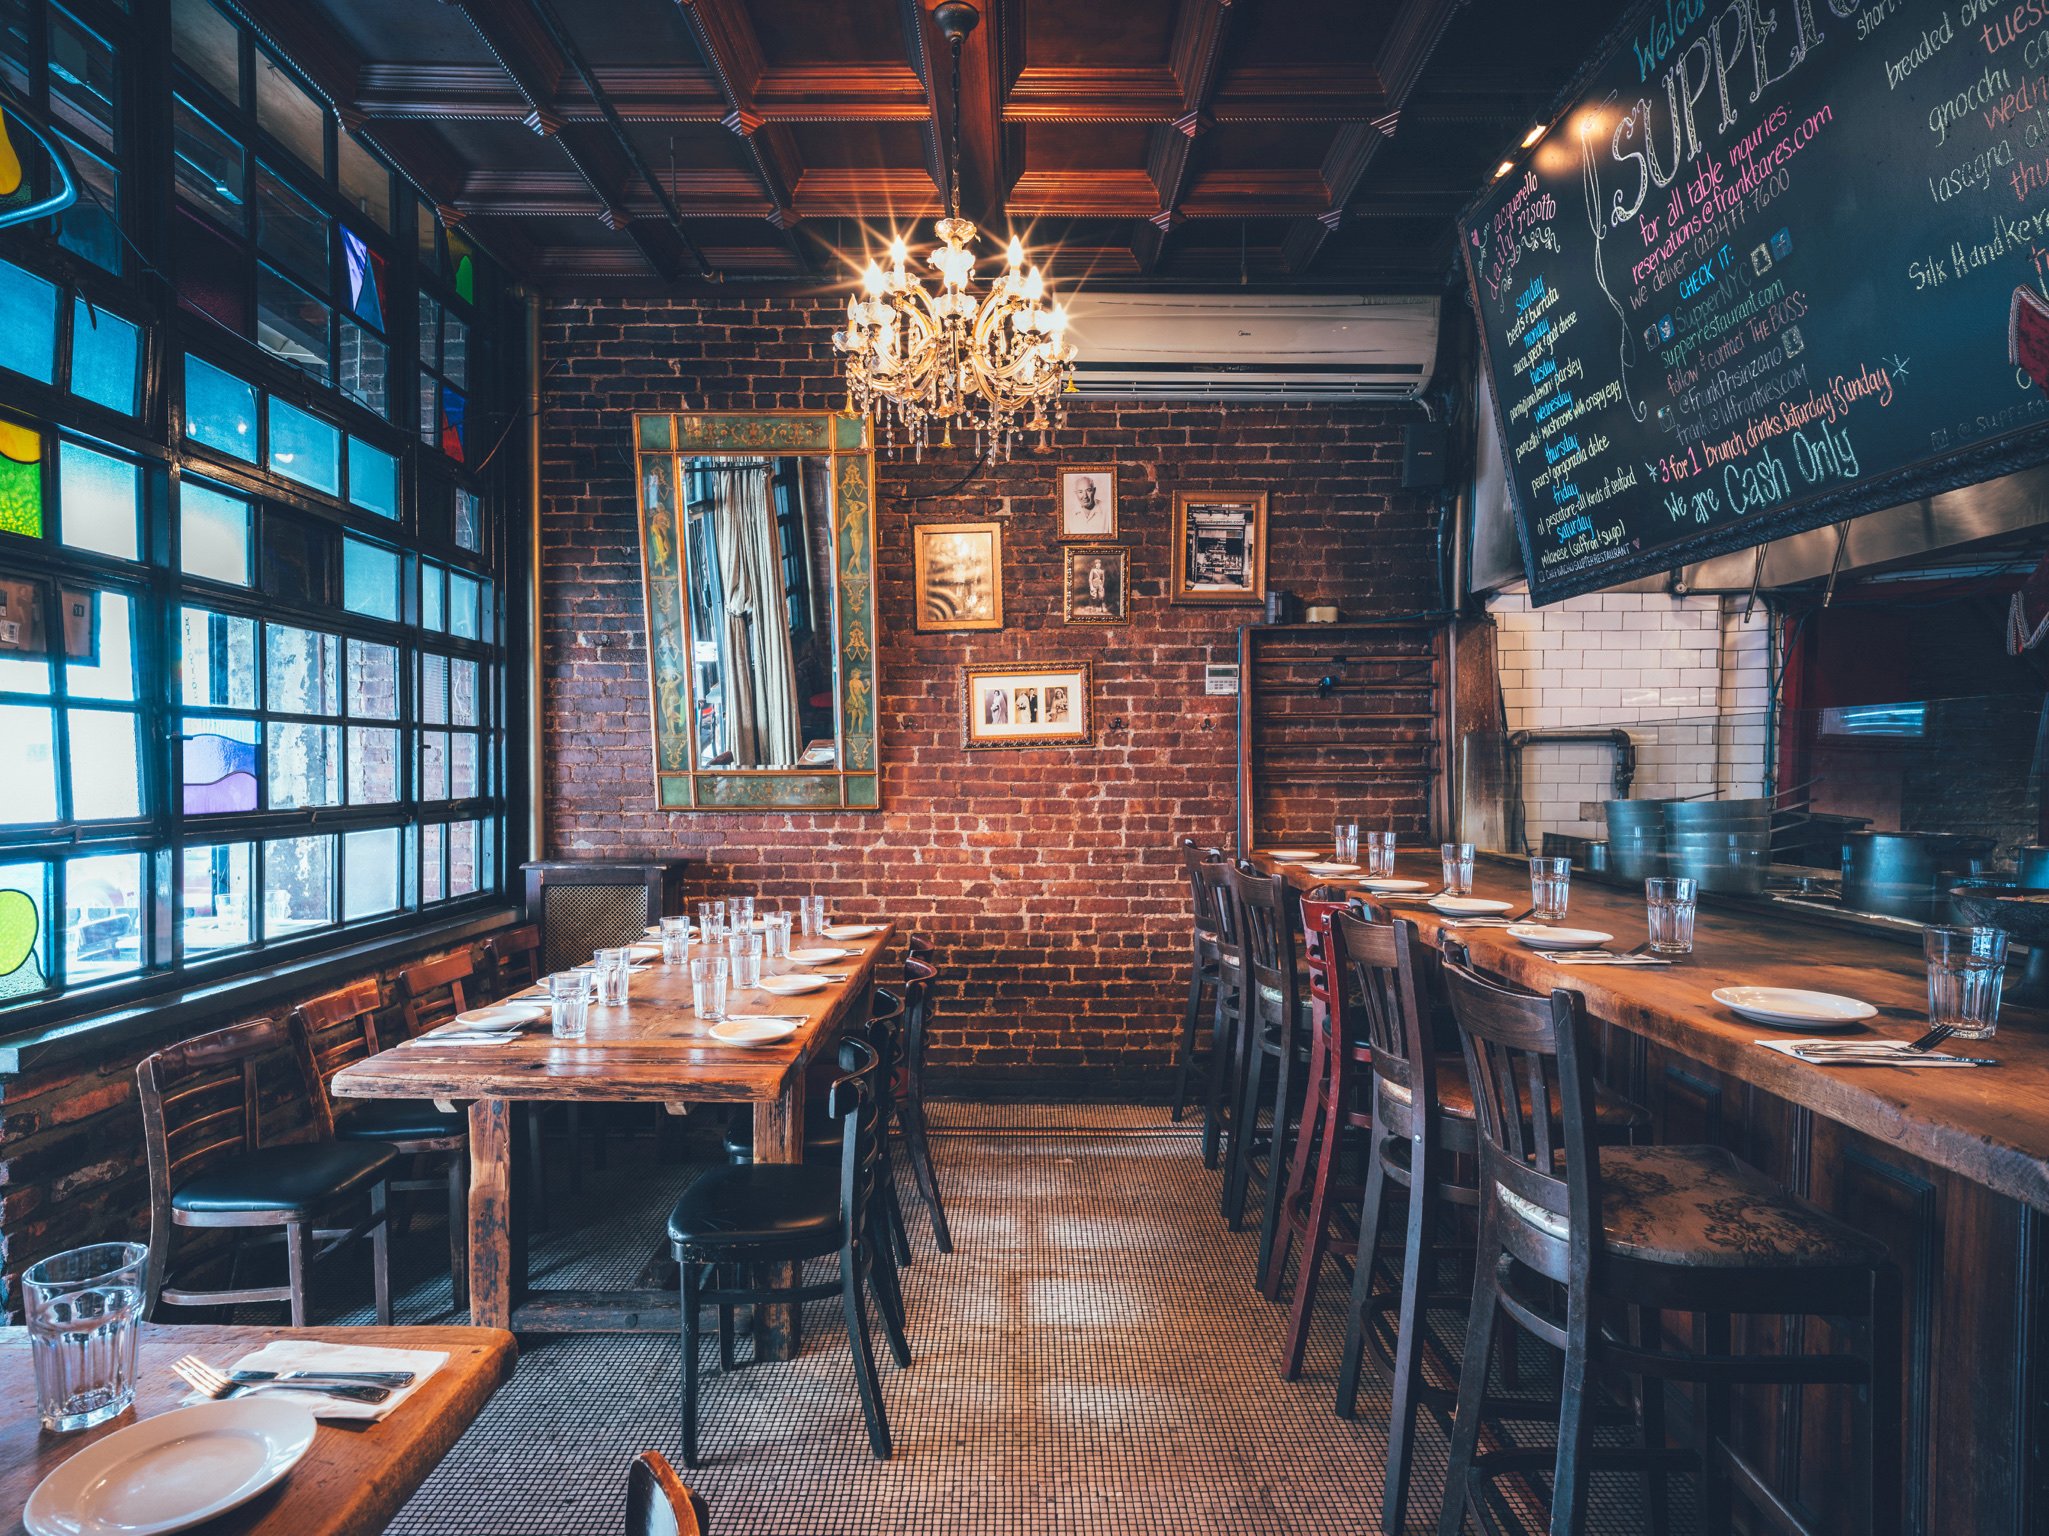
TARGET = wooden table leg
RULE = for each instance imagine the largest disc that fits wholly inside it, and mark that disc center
(491, 1265)
(779, 1138)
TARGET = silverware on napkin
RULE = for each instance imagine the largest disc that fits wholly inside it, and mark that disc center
(1873, 1057)
(208, 1382)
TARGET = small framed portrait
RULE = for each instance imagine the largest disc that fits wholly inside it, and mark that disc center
(1219, 547)
(959, 575)
(1097, 585)
(1088, 501)
(1027, 706)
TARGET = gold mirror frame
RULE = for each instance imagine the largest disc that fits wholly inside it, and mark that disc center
(853, 785)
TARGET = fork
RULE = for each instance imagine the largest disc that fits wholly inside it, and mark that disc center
(210, 1383)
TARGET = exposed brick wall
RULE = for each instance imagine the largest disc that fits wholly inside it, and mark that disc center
(1046, 877)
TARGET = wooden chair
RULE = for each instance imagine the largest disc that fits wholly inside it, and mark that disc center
(780, 1214)
(435, 991)
(1646, 1230)
(920, 972)
(514, 958)
(333, 1030)
(1273, 1043)
(1204, 963)
(658, 1503)
(1224, 1020)
(211, 1166)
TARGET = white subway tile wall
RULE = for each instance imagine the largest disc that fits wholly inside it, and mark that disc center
(1688, 677)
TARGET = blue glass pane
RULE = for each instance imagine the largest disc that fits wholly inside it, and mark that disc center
(433, 597)
(101, 501)
(219, 766)
(369, 579)
(220, 409)
(213, 534)
(463, 594)
(373, 478)
(366, 279)
(105, 351)
(305, 448)
(28, 323)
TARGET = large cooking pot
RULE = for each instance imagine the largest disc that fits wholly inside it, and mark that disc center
(1908, 874)
(1636, 838)
(1725, 845)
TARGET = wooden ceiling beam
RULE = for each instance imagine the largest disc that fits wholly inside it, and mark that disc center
(1196, 58)
(1418, 27)
(725, 37)
(984, 147)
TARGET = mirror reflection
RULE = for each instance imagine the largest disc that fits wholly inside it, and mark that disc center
(757, 537)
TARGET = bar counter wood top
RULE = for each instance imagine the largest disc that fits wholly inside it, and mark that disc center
(352, 1482)
(1988, 1124)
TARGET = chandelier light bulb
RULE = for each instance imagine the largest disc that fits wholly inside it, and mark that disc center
(1015, 255)
(872, 280)
(897, 253)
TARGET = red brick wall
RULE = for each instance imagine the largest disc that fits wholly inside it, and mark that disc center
(1048, 878)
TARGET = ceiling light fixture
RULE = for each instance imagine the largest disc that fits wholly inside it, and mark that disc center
(1002, 360)
(1530, 138)
(1503, 169)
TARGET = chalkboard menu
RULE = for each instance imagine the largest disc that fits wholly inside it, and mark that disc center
(1757, 276)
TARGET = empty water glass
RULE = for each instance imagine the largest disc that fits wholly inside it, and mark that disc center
(569, 1001)
(1669, 902)
(83, 1308)
(708, 987)
(1550, 888)
(812, 911)
(612, 972)
(743, 916)
(1379, 855)
(1345, 840)
(746, 962)
(1458, 868)
(675, 940)
(1966, 971)
(776, 941)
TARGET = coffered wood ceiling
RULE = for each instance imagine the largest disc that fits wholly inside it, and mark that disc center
(601, 145)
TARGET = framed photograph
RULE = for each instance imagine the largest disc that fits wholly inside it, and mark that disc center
(1219, 547)
(1088, 501)
(1096, 588)
(959, 574)
(1021, 706)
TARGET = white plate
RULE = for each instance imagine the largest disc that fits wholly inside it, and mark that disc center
(1294, 855)
(1538, 937)
(1469, 906)
(171, 1472)
(821, 956)
(751, 1032)
(852, 930)
(503, 1015)
(1393, 886)
(792, 986)
(1793, 1005)
(1333, 869)
(646, 951)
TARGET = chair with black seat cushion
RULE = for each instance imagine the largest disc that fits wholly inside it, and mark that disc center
(1273, 1044)
(1204, 963)
(1220, 1106)
(921, 971)
(331, 1031)
(737, 1218)
(211, 1166)
(1644, 1230)
(658, 1503)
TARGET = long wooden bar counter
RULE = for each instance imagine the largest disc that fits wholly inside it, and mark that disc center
(1950, 1169)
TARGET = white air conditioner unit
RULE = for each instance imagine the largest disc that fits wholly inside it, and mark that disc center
(1240, 346)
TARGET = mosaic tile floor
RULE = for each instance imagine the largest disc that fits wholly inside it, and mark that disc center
(1092, 1358)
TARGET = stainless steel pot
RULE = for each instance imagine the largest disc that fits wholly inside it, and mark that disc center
(1908, 874)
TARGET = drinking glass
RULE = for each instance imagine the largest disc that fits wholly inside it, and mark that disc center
(83, 1308)
(776, 955)
(812, 910)
(708, 987)
(743, 917)
(1966, 969)
(711, 919)
(569, 1001)
(1669, 903)
(612, 971)
(746, 962)
(1345, 838)
(1550, 888)
(1458, 869)
(1379, 855)
(675, 940)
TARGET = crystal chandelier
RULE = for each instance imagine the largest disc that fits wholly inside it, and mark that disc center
(1001, 360)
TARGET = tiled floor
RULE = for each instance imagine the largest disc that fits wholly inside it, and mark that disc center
(1092, 1358)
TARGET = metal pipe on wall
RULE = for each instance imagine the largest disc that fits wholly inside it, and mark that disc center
(536, 773)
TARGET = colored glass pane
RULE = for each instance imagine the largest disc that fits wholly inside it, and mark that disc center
(370, 579)
(21, 929)
(453, 409)
(305, 448)
(218, 766)
(105, 355)
(220, 409)
(28, 323)
(21, 481)
(373, 478)
(366, 279)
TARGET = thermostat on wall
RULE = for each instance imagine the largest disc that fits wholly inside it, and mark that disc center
(1220, 677)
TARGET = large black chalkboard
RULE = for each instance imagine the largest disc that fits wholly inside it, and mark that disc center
(1757, 275)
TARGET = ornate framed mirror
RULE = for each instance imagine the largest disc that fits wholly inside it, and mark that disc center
(757, 542)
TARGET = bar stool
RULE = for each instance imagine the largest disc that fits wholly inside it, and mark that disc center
(1275, 1035)
(920, 972)
(1649, 1229)
(1422, 1137)
(1224, 1018)
(1204, 963)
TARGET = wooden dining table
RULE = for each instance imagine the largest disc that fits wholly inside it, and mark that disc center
(352, 1481)
(652, 1049)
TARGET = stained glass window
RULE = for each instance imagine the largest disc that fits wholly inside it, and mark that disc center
(21, 480)
(460, 253)
(23, 892)
(106, 353)
(218, 761)
(28, 323)
(365, 270)
(453, 409)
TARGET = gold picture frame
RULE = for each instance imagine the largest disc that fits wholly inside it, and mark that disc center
(1095, 584)
(1219, 549)
(958, 575)
(1055, 699)
(1088, 502)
